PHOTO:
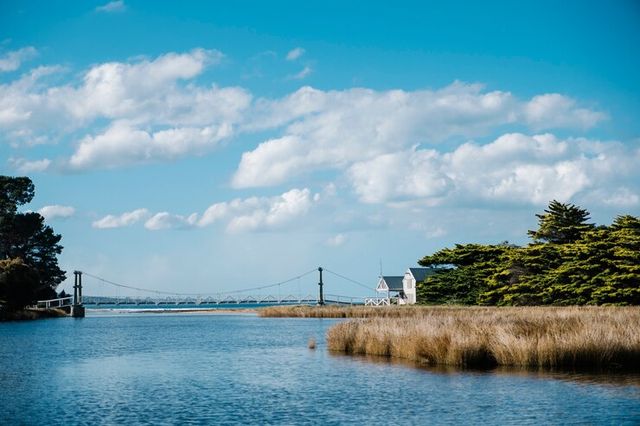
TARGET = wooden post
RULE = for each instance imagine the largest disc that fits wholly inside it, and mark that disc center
(321, 299)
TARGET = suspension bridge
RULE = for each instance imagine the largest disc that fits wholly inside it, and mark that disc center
(278, 293)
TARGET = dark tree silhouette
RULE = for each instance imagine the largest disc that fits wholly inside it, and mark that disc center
(25, 236)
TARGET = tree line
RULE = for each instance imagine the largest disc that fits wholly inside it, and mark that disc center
(29, 249)
(569, 262)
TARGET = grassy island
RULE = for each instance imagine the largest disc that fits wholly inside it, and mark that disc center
(531, 337)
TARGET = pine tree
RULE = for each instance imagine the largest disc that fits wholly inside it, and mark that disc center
(462, 273)
(25, 237)
(561, 224)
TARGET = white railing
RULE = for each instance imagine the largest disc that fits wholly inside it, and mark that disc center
(55, 303)
(377, 301)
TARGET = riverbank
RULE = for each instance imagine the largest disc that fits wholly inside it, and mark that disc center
(531, 337)
(32, 314)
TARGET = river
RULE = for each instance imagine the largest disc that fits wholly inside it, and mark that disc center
(146, 368)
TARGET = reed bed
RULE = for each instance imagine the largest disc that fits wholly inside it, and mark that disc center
(532, 337)
(334, 311)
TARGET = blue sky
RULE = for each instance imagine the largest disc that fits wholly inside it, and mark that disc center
(201, 147)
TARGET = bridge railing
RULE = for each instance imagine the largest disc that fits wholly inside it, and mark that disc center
(54, 303)
(342, 300)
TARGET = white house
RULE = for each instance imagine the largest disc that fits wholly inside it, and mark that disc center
(403, 287)
(388, 284)
(409, 281)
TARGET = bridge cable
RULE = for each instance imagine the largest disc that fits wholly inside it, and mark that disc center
(197, 294)
(348, 279)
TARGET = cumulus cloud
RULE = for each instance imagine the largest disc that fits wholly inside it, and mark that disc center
(294, 54)
(275, 212)
(515, 168)
(555, 110)
(239, 215)
(335, 129)
(11, 61)
(111, 7)
(165, 220)
(152, 109)
(56, 212)
(125, 219)
(256, 213)
(148, 94)
(122, 144)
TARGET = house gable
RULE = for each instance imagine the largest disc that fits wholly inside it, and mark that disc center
(390, 283)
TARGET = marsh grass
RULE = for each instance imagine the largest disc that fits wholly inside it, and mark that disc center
(333, 311)
(531, 337)
(578, 338)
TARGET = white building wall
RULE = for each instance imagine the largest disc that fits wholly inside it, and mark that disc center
(409, 287)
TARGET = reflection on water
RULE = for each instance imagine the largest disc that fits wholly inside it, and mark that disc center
(613, 378)
(241, 369)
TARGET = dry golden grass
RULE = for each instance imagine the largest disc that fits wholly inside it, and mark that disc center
(550, 337)
(333, 311)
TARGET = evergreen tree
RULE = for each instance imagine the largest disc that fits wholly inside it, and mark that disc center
(462, 273)
(521, 276)
(19, 284)
(561, 223)
(622, 268)
(26, 237)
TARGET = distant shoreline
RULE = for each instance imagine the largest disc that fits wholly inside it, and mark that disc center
(177, 310)
(31, 314)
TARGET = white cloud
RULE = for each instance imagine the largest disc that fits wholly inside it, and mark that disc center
(165, 220)
(56, 211)
(294, 54)
(336, 240)
(11, 61)
(152, 110)
(125, 219)
(402, 175)
(121, 144)
(25, 166)
(274, 212)
(555, 110)
(514, 168)
(239, 215)
(114, 6)
(149, 95)
(621, 197)
(336, 128)
(302, 74)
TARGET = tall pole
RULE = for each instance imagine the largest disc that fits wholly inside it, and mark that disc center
(75, 287)
(321, 299)
(80, 287)
(77, 310)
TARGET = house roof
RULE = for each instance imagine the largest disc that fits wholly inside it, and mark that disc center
(421, 273)
(394, 283)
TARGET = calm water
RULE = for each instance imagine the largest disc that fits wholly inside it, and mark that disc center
(225, 369)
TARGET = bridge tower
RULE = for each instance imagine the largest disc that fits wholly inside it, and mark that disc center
(321, 298)
(77, 309)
